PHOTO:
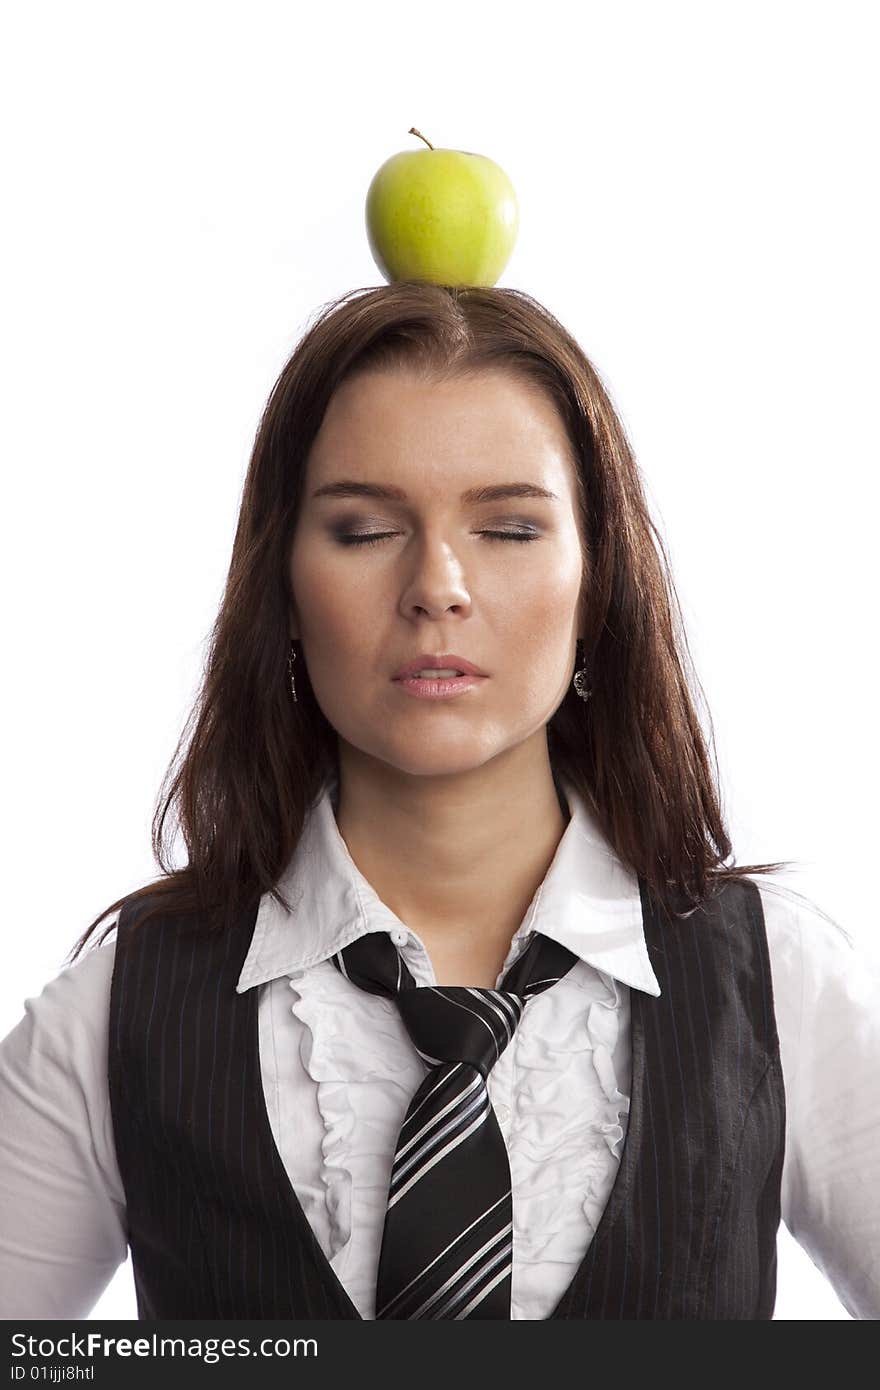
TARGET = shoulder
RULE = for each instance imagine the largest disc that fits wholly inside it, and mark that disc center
(796, 926)
(69, 1016)
(826, 984)
(53, 1064)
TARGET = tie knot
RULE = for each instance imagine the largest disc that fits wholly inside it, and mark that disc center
(455, 1023)
(460, 1024)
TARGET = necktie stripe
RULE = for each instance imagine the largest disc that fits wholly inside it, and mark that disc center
(447, 1242)
(431, 1061)
(486, 1251)
(537, 985)
(508, 1021)
(480, 1279)
(506, 1006)
(416, 1105)
(483, 1102)
(487, 1024)
(502, 1274)
(484, 1215)
(472, 1086)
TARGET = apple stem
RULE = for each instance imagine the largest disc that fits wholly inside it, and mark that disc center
(412, 131)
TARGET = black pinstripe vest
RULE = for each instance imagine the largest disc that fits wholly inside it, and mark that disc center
(689, 1230)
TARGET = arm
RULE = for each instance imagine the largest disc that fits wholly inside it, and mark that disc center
(831, 1060)
(62, 1206)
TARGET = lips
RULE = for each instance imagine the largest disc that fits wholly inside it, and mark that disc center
(445, 661)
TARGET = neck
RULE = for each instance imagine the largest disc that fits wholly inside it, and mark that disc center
(458, 857)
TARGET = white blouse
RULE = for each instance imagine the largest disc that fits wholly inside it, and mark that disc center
(339, 1070)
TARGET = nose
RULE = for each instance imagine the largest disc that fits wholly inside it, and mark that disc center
(435, 584)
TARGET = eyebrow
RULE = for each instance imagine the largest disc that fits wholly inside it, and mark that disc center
(385, 492)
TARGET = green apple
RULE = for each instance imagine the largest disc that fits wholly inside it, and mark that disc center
(446, 216)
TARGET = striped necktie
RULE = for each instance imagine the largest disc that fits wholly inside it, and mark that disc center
(447, 1242)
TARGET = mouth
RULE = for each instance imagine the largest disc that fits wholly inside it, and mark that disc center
(438, 666)
(437, 687)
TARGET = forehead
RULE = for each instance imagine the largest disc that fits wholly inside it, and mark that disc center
(404, 428)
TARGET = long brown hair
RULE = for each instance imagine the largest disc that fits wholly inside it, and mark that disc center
(251, 761)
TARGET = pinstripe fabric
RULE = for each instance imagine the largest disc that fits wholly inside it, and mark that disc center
(689, 1230)
(214, 1228)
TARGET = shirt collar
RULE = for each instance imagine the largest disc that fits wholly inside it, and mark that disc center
(589, 901)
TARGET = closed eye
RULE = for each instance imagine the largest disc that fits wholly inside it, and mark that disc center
(372, 538)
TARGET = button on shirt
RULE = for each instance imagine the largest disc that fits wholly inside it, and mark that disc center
(338, 1072)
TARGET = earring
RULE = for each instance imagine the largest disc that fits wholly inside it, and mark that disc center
(580, 681)
(290, 660)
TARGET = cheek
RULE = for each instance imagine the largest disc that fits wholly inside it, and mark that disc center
(329, 598)
(543, 609)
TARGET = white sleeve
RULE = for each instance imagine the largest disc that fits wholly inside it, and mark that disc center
(827, 994)
(62, 1205)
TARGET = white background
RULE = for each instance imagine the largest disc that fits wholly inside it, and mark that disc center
(184, 185)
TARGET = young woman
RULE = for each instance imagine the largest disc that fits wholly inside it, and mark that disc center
(458, 1009)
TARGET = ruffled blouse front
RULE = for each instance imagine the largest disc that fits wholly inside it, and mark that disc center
(564, 1156)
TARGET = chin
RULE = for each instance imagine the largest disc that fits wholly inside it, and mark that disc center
(421, 766)
(413, 756)
(440, 760)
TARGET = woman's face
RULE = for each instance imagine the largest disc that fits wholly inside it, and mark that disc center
(438, 580)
